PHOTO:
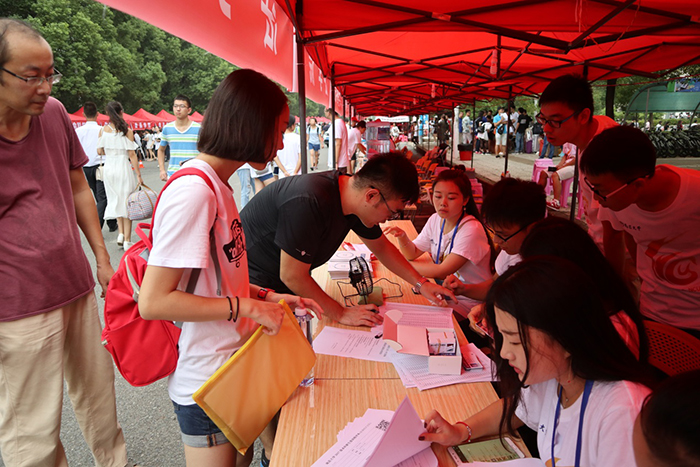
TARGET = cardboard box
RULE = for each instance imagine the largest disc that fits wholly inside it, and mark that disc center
(414, 340)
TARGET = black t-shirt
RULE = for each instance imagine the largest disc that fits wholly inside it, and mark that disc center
(301, 215)
(524, 121)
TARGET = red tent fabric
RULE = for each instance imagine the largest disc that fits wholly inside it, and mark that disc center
(149, 119)
(196, 117)
(168, 117)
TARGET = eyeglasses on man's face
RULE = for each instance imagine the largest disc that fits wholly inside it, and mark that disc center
(36, 81)
(501, 237)
(180, 106)
(554, 123)
(394, 214)
(612, 193)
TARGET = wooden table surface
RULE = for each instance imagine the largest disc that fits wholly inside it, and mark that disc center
(345, 388)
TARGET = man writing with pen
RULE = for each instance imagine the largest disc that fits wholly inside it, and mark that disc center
(296, 224)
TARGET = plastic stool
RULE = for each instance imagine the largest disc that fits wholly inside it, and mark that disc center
(541, 166)
(565, 192)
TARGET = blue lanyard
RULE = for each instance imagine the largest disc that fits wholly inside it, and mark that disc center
(452, 242)
(584, 403)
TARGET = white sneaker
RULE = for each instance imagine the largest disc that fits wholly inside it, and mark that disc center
(127, 245)
(120, 239)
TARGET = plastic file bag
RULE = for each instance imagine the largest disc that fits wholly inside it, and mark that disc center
(250, 388)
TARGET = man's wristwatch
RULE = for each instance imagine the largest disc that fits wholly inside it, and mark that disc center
(262, 293)
(419, 284)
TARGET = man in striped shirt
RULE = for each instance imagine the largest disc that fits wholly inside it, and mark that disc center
(181, 135)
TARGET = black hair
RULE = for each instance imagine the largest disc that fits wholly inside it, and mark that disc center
(521, 110)
(89, 109)
(556, 236)
(11, 25)
(670, 421)
(571, 314)
(623, 151)
(181, 97)
(514, 202)
(572, 90)
(292, 123)
(461, 180)
(391, 173)
(361, 124)
(114, 111)
(240, 122)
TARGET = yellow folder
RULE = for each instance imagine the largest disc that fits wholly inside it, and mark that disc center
(250, 388)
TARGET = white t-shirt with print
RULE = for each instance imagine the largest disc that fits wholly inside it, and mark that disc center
(607, 424)
(505, 261)
(289, 155)
(341, 132)
(470, 242)
(354, 138)
(186, 212)
(668, 252)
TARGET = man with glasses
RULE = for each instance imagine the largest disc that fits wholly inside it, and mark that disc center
(655, 211)
(49, 322)
(510, 209)
(566, 115)
(181, 135)
(296, 224)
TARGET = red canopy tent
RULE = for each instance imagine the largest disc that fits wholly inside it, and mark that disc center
(149, 119)
(196, 117)
(168, 117)
(102, 119)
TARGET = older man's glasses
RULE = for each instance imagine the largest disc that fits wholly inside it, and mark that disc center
(36, 81)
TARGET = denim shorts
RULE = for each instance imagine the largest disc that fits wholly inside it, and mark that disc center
(196, 428)
(265, 177)
(315, 147)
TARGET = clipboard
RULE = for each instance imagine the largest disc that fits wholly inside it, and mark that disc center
(248, 390)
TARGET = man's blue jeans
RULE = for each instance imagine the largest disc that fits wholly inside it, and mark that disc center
(546, 147)
(519, 142)
(247, 188)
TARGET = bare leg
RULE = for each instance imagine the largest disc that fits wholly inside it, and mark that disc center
(258, 185)
(223, 455)
(543, 179)
(126, 222)
(556, 183)
(120, 225)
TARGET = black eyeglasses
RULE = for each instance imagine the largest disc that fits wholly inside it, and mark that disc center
(614, 192)
(394, 214)
(554, 123)
(36, 80)
(504, 239)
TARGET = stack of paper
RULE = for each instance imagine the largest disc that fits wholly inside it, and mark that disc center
(381, 438)
(339, 264)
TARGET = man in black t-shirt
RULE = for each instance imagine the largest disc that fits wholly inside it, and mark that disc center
(296, 224)
(524, 121)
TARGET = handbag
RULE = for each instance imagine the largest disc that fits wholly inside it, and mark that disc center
(139, 204)
(99, 172)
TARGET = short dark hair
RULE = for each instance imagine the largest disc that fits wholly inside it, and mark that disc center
(292, 123)
(11, 25)
(582, 327)
(240, 122)
(572, 90)
(514, 202)
(670, 421)
(361, 124)
(623, 151)
(521, 110)
(89, 109)
(391, 173)
(181, 97)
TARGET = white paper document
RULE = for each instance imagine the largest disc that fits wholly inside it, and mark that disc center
(381, 438)
(413, 371)
(362, 345)
(418, 315)
(525, 462)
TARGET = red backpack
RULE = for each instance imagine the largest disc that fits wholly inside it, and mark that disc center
(144, 351)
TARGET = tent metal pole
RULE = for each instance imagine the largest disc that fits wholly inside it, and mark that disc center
(508, 125)
(473, 133)
(301, 77)
(574, 196)
(331, 140)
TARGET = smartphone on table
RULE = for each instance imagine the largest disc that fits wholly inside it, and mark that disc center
(489, 450)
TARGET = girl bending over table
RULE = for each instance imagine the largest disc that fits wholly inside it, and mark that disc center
(564, 369)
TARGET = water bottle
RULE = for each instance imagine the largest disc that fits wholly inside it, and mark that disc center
(304, 319)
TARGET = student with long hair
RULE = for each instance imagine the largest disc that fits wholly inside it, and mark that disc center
(563, 368)
(116, 142)
(244, 122)
(454, 236)
(560, 237)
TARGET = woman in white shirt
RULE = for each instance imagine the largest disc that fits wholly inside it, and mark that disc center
(564, 370)
(244, 123)
(454, 237)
